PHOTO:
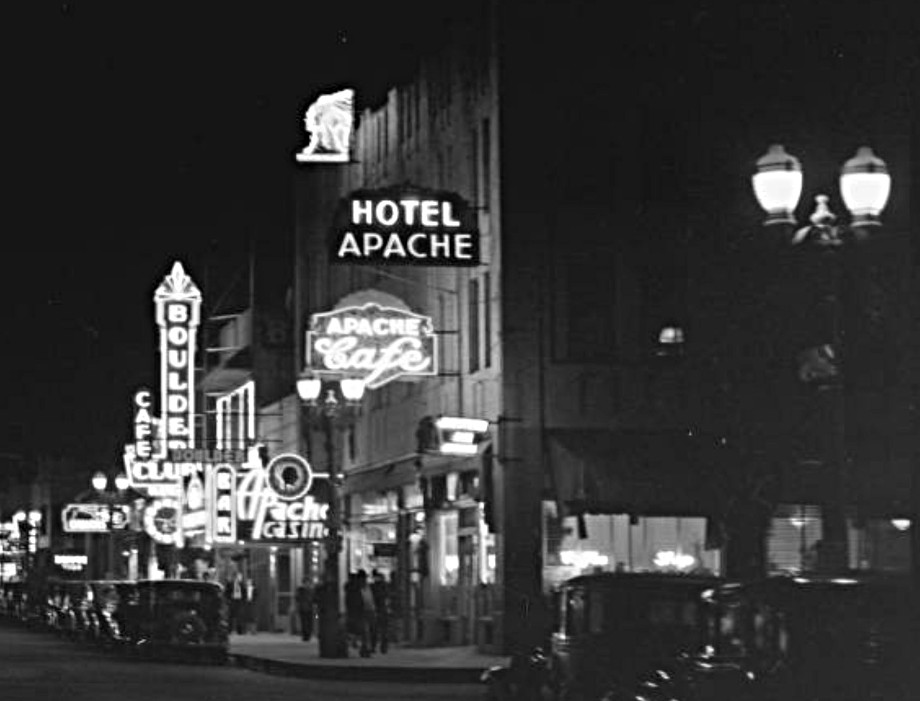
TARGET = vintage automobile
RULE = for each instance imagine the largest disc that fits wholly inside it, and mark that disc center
(803, 638)
(609, 627)
(162, 617)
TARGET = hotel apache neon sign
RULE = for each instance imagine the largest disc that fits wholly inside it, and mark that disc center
(405, 226)
(178, 307)
(373, 343)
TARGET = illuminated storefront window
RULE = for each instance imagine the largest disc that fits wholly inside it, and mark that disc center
(613, 542)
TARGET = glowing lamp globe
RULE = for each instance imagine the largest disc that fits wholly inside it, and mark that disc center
(35, 517)
(121, 482)
(778, 185)
(309, 388)
(865, 185)
(99, 481)
(352, 389)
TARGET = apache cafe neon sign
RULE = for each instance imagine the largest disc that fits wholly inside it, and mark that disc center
(373, 343)
(405, 230)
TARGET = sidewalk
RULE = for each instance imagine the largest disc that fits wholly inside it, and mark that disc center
(288, 655)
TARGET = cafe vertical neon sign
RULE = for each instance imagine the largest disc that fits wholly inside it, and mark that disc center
(178, 308)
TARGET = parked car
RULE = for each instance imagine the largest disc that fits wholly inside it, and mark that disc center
(170, 615)
(807, 638)
(609, 627)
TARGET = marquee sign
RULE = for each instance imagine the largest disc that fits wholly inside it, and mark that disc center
(405, 226)
(330, 122)
(373, 343)
(94, 518)
(178, 306)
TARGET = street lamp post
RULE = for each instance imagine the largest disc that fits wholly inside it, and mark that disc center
(327, 411)
(112, 499)
(864, 187)
(29, 522)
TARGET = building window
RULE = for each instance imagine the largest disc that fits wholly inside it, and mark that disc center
(486, 132)
(487, 319)
(474, 186)
(473, 321)
(583, 310)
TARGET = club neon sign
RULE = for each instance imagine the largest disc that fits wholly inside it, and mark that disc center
(372, 343)
(178, 307)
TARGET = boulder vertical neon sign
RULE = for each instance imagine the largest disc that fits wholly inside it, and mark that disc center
(178, 309)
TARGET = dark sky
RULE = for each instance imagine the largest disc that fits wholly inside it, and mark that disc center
(138, 133)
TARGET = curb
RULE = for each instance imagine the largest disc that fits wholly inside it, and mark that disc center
(404, 675)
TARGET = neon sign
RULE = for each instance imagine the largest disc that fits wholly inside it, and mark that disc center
(161, 521)
(272, 517)
(94, 518)
(373, 343)
(330, 122)
(145, 426)
(405, 227)
(222, 523)
(178, 305)
(71, 563)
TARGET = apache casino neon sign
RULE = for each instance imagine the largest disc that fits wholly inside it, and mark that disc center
(178, 308)
(405, 226)
(373, 343)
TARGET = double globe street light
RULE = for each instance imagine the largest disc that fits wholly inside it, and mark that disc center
(865, 186)
(331, 403)
(28, 524)
(112, 500)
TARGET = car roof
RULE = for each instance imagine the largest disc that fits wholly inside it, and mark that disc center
(645, 579)
(802, 586)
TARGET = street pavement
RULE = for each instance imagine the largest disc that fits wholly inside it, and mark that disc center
(37, 664)
(288, 655)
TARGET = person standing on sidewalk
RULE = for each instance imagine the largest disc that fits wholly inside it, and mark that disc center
(380, 632)
(250, 593)
(368, 614)
(234, 593)
(353, 606)
(304, 598)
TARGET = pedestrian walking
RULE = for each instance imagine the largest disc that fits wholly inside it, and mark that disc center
(304, 598)
(380, 632)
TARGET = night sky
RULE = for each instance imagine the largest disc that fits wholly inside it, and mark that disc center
(139, 133)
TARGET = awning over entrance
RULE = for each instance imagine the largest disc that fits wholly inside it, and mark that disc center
(643, 473)
(383, 477)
